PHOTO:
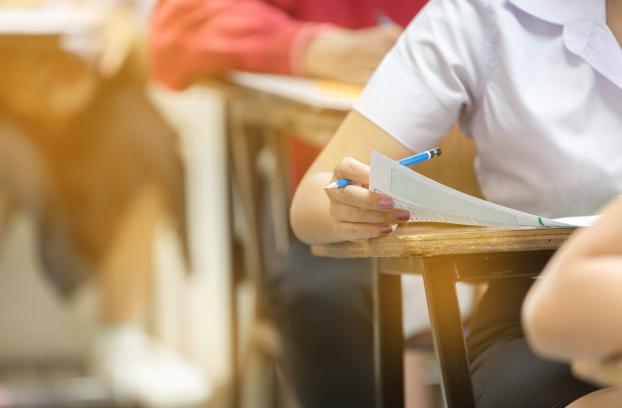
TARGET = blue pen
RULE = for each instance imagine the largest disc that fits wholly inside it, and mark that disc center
(409, 161)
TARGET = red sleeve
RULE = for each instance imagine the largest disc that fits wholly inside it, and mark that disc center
(193, 38)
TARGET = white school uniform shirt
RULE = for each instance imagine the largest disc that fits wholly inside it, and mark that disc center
(537, 84)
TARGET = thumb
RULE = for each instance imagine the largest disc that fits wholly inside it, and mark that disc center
(352, 169)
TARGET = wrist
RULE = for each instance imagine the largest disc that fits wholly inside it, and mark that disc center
(309, 55)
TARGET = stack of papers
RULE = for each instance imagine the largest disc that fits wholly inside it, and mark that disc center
(429, 201)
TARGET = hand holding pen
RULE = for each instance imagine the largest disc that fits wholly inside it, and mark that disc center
(408, 161)
(358, 213)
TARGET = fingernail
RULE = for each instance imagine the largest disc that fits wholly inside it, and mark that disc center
(402, 215)
(386, 203)
(386, 229)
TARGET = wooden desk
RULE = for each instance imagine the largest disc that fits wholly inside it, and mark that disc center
(444, 255)
(261, 122)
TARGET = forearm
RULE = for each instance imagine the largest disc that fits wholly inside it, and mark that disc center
(570, 312)
(195, 38)
(574, 314)
(310, 215)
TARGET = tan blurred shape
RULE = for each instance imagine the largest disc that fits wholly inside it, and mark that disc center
(84, 139)
(40, 81)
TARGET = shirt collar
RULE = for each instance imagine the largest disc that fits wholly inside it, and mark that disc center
(560, 12)
(586, 33)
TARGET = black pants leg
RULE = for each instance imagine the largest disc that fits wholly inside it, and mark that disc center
(506, 373)
(323, 310)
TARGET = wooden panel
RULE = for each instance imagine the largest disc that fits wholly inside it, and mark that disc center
(425, 240)
(484, 267)
(448, 333)
(313, 125)
(389, 340)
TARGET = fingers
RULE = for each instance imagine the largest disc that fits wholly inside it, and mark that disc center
(347, 213)
(361, 197)
(358, 213)
(359, 231)
(352, 169)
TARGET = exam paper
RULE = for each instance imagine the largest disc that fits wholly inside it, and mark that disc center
(429, 201)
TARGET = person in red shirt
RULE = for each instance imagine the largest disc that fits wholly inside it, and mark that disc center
(322, 307)
(332, 39)
(340, 40)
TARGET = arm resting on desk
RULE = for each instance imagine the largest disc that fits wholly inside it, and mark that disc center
(573, 311)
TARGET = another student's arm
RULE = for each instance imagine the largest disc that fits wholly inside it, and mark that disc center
(352, 213)
(573, 310)
(191, 39)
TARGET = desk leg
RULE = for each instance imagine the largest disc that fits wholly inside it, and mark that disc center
(388, 339)
(440, 287)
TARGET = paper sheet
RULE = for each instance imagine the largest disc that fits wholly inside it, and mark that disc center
(429, 201)
(579, 221)
(47, 20)
(322, 94)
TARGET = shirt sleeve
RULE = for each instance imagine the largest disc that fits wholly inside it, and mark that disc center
(433, 76)
(194, 38)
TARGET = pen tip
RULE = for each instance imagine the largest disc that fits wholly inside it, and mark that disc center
(436, 152)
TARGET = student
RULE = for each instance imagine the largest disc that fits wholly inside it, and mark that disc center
(322, 307)
(538, 86)
(340, 40)
(568, 311)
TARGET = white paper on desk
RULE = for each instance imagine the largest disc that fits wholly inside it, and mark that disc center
(77, 28)
(296, 89)
(47, 20)
(429, 201)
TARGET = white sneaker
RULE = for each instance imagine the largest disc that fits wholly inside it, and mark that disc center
(147, 373)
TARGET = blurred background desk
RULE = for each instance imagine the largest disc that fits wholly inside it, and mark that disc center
(266, 112)
(444, 255)
(267, 115)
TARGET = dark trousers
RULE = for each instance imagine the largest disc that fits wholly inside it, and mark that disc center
(506, 373)
(322, 308)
